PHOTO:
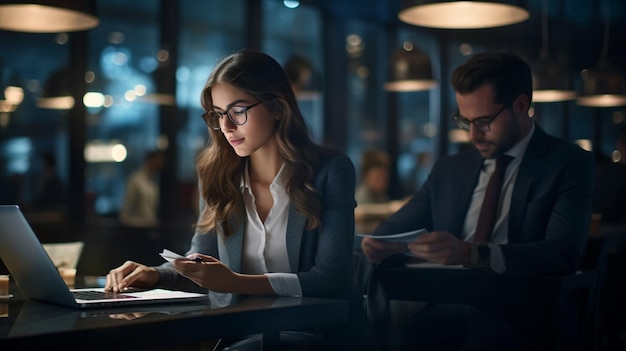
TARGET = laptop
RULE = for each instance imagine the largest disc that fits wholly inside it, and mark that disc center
(38, 278)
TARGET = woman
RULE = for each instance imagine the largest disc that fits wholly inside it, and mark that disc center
(277, 211)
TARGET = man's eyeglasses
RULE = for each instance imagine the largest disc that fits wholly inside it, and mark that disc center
(238, 115)
(482, 123)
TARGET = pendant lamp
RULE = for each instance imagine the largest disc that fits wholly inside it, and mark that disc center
(603, 85)
(448, 14)
(56, 93)
(551, 76)
(409, 70)
(551, 82)
(47, 16)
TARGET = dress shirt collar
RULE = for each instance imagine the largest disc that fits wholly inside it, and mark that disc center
(519, 149)
(279, 179)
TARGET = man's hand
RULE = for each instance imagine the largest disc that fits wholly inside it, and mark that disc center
(441, 247)
(377, 250)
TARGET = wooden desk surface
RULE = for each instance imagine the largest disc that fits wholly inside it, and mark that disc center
(31, 323)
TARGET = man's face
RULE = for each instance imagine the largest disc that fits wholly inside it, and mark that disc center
(504, 129)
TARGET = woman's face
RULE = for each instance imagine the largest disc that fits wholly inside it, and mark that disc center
(256, 133)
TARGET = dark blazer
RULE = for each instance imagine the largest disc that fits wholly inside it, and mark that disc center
(320, 257)
(550, 209)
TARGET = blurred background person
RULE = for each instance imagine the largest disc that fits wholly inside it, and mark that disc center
(299, 70)
(374, 178)
(372, 206)
(141, 198)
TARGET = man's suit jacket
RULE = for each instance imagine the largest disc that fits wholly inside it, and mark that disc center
(550, 208)
(321, 257)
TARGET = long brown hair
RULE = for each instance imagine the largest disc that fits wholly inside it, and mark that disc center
(220, 169)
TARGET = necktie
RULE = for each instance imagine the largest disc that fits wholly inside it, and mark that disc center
(489, 209)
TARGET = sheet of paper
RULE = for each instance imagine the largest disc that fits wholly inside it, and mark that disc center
(171, 255)
(406, 237)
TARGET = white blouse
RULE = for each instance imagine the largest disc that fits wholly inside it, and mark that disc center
(264, 244)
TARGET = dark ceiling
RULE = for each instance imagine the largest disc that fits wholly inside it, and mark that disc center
(576, 28)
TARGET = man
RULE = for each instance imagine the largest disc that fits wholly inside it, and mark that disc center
(543, 216)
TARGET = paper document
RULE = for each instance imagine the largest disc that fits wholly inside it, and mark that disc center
(171, 256)
(406, 237)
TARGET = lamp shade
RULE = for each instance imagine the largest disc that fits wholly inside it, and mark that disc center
(460, 14)
(57, 93)
(48, 16)
(552, 81)
(603, 86)
(410, 71)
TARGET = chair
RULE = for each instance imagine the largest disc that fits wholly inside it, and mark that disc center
(575, 300)
(571, 302)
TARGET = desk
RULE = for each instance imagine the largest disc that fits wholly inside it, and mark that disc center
(31, 323)
(565, 307)
(451, 285)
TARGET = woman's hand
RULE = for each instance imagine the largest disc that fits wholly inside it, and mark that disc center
(441, 247)
(210, 273)
(131, 274)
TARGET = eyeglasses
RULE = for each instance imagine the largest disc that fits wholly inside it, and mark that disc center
(238, 115)
(482, 123)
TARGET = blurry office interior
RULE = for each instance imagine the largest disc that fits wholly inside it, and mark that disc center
(135, 80)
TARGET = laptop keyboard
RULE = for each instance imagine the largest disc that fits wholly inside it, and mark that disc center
(99, 295)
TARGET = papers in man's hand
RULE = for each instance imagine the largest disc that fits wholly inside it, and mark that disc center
(406, 237)
(171, 256)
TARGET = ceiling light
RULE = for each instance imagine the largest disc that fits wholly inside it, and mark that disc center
(551, 77)
(461, 14)
(57, 94)
(551, 81)
(409, 70)
(46, 16)
(603, 86)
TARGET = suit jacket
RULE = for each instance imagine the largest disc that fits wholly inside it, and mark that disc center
(320, 257)
(550, 211)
